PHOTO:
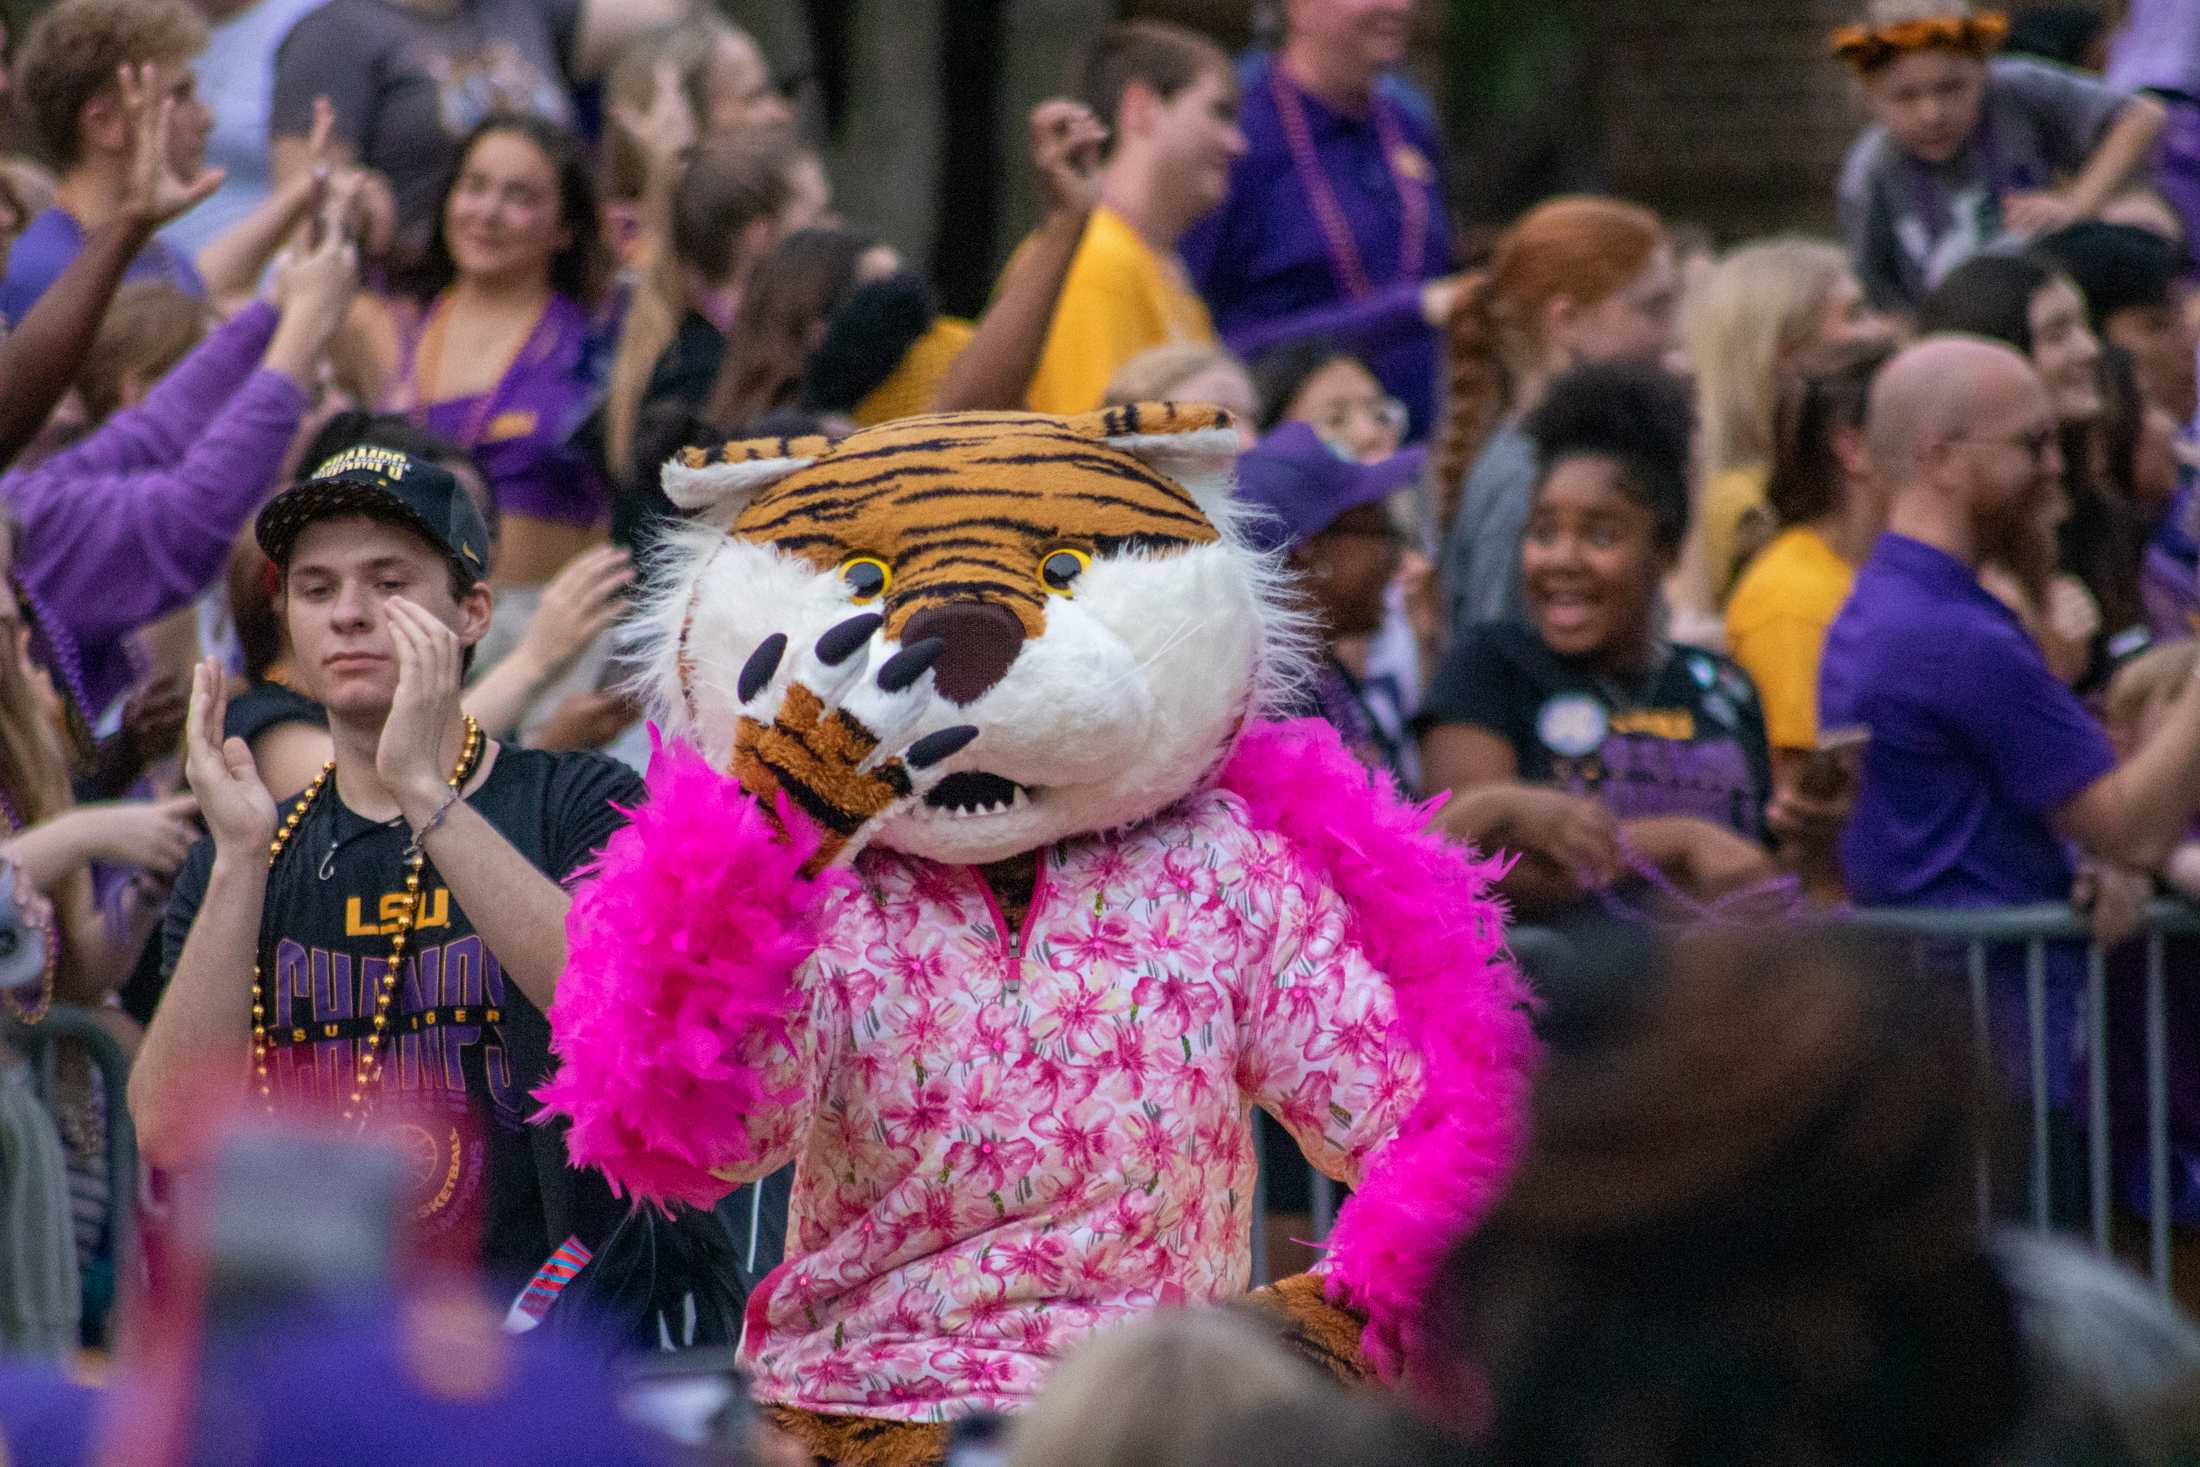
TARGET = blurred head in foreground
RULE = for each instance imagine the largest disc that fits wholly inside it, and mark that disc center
(1747, 1230)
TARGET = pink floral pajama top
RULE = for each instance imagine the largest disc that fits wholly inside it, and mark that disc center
(1004, 1148)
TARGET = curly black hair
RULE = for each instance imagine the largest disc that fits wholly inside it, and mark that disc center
(1638, 417)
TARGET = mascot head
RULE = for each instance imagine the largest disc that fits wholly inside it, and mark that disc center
(1106, 627)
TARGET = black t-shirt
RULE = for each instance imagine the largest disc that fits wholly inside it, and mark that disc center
(669, 419)
(263, 706)
(467, 1047)
(1686, 739)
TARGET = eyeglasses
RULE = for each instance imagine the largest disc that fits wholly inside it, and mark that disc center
(2039, 443)
(1387, 413)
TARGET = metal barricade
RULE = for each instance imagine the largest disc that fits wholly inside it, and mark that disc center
(2032, 929)
(37, 1043)
(1977, 934)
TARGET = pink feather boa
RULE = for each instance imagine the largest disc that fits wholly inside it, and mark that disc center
(685, 942)
(1422, 914)
(682, 950)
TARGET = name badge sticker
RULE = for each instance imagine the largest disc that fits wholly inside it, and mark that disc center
(1572, 724)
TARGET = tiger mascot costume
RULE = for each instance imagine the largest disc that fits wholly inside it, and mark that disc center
(974, 883)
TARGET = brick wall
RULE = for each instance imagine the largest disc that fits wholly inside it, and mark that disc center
(1727, 113)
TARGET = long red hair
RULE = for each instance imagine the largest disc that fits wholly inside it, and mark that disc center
(1578, 248)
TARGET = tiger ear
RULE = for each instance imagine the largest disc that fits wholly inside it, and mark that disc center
(1192, 443)
(700, 479)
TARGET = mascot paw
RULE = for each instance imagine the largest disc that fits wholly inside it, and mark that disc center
(1324, 1334)
(828, 730)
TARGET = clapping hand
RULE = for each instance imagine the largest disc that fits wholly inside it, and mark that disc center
(413, 756)
(154, 192)
(234, 803)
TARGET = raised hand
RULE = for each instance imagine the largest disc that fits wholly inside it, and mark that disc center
(413, 758)
(578, 605)
(317, 283)
(1066, 139)
(827, 731)
(666, 128)
(312, 187)
(236, 806)
(313, 290)
(153, 191)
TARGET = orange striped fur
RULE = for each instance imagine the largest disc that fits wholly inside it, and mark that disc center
(967, 506)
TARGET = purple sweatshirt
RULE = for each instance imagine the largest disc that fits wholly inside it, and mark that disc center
(138, 519)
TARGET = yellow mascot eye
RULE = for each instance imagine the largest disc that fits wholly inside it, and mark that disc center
(1059, 571)
(866, 577)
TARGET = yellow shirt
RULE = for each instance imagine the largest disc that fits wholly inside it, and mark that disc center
(915, 381)
(1119, 299)
(1728, 498)
(1776, 629)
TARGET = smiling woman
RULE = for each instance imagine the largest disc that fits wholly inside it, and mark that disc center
(1582, 737)
(497, 363)
(2087, 551)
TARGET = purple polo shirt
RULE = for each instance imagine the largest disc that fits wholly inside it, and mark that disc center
(1974, 745)
(49, 242)
(1265, 267)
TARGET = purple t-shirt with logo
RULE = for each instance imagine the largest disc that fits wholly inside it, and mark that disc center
(1974, 743)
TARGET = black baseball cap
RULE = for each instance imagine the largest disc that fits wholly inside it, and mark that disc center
(423, 497)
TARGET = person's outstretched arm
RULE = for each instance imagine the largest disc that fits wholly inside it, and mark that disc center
(38, 360)
(579, 605)
(162, 489)
(2138, 812)
(995, 368)
(2125, 147)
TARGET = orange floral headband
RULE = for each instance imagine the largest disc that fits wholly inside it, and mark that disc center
(1867, 50)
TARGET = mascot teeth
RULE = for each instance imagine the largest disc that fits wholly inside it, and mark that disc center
(963, 795)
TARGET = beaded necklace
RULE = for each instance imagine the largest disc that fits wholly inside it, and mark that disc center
(369, 1068)
(1344, 247)
(55, 650)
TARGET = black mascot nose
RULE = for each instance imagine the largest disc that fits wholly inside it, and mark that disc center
(981, 640)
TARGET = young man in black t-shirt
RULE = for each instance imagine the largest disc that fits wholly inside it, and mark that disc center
(388, 941)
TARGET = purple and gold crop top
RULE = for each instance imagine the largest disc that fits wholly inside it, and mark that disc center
(520, 432)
